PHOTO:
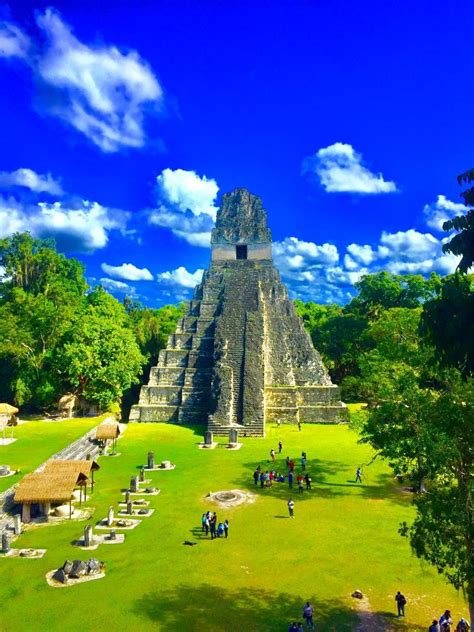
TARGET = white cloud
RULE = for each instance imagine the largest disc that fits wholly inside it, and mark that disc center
(186, 191)
(294, 253)
(80, 226)
(100, 91)
(187, 205)
(410, 245)
(31, 180)
(13, 42)
(340, 170)
(196, 230)
(362, 254)
(127, 271)
(180, 277)
(441, 211)
(118, 287)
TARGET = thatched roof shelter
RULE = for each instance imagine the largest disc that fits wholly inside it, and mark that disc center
(7, 409)
(57, 467)
(107, 430)
(48, 488)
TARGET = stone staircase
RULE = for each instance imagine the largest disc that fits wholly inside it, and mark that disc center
(179, 386)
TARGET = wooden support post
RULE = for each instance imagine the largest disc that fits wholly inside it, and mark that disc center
(70, 509)
(25, 513)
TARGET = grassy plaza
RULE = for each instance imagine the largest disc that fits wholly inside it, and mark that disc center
(344, 536)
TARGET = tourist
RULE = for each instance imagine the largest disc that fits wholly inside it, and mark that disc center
(280, 447)
(303, 454)
(308, 612)
(445, 621)
(212, 524)
(300, 627)
(267, 479)
(256, 475)
(288, 462)
(463, 625)
(272, 454)
(220, 529)
(291, 508)
(434, 626)
(358, 475)
(299, 478)
(207, 524)
(303, 463)
(203, 522)
(299, 426)
(278, 424)
(293, 627)
(401, 602)
(262, 479)
(292, 465)
(290, 480)
(307, 480)
(226, 528)
(271, 477)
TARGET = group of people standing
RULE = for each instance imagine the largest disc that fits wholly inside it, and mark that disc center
(443, 624)
(308, 612)
(210, 525)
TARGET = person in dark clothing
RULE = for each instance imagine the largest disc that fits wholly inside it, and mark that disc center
(434, 626)
(226, 528)
(307, 480)
(256, 474)
(212, 524)
(262, 479)
(290, 480)
(293, 627)
(358, 475)
(401, 602)
(280, 447)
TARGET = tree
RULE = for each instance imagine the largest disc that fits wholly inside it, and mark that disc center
(100, 358)
(447, 323)
(462, 244)
(384, 290)
(40, 296)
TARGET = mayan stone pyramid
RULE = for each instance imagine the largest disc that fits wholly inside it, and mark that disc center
(241, 357)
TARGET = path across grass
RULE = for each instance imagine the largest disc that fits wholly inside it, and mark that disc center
(344, 536)
(37, 441)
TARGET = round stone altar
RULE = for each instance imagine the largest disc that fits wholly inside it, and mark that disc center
(231, 498)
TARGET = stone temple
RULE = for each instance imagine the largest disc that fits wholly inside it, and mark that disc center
(241, 357)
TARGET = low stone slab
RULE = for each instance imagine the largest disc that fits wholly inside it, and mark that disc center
(101, 538)
(208, 446)
(138, 504)
(136, 512)
(7, 441)
(233, 446)
(27, 554)
(142, 492)
(131, 524)
(71, 582)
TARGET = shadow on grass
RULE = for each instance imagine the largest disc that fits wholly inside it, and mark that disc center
(216, 609)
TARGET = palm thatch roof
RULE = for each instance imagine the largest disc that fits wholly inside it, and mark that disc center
(7, 409)
(107, 430)
(47, 488)
(57, 467)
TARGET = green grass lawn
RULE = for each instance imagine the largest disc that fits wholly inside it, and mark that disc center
(37, 441)
(344, 536)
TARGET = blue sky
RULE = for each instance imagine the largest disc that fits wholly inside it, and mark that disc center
(122, 123)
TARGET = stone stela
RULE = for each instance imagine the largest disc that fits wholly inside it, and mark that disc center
(88, 535)
(241, 357)
(134, 484)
